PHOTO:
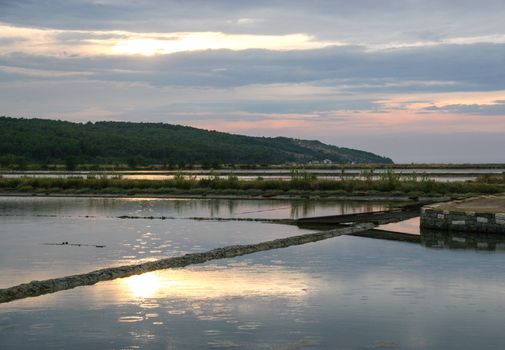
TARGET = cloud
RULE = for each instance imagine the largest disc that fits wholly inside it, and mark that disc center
(496, 108)
(362, 21)
(350, 69)
(54, 42)
(363, 74)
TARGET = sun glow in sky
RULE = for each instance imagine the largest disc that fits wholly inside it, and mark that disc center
(352, 74)
(214, 41)
(47, 41)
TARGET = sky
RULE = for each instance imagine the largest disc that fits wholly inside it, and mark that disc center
(414, 80)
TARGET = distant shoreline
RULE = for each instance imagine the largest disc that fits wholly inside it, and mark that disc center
(124, 168)
(369, 198)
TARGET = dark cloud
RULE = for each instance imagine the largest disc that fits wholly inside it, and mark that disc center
(497, 108)
(353, 21)
(78, 37)
(354, 69)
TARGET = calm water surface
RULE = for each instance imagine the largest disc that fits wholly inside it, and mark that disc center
(342, 293)
(180, 208)
(441, 174)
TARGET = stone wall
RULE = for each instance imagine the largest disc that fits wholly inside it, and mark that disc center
(468, 221)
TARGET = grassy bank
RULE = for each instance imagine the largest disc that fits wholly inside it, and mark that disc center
(300, 184)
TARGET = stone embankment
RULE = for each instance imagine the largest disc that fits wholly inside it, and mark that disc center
(482, 214)
(36, 288)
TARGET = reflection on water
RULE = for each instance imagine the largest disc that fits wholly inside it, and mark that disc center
(451, 177)
(341, 293)
(145, 285)
(410, 226)
(439, 174)
(27, 223)
(448, 240)
(25, 257)
(171, 207)
(463, 240)
(215, 283)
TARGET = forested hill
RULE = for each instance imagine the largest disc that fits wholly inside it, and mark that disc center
(54, 141)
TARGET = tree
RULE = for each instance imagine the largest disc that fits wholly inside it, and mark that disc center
(71, 163)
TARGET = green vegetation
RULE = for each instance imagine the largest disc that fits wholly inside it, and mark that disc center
(26, 141)
(300, 183)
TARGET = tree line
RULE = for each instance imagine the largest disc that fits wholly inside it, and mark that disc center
(60, 142)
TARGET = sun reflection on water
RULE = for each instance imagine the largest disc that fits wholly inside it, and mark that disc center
(143, 286)
(196, 284)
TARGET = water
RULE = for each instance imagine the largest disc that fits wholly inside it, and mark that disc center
(410, 226)
(29, 224)
(181, 208)
(342, 293)
(440, 174)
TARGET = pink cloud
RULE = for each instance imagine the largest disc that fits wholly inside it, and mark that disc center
(438, 122)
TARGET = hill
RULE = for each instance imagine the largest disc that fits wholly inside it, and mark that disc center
(54, 141)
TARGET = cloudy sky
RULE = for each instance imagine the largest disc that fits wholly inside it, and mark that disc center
(415, 80)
